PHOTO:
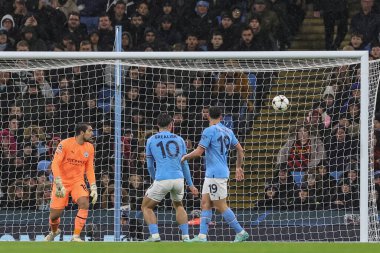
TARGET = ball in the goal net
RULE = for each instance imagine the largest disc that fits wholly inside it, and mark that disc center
(280, 103)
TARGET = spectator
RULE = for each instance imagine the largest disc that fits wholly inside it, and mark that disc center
(127, 42)
(89, 12)
(94, 40)
(32, 102)
(217, 42)
(375, 51)
(247, 41)
(19, 12)
(237, 15)
(192, 43)
(8, 24)
(91, 113)
(319, 123)
(29, 34)
(263, 39)
(303, 202)
(106, 33)
(199, 22)
(327, 183)
(136, 29)
(5, 43)
(313, 184)
(108, 197)
(19, 197)
(43, 85)
(271, 200)
(142, 8)
(301, 151)
(167, 31)
(8, 93)
(366, 22)
(65, 6)
(340, 148)
(36, 136)
(285, 185)
(75, 29)
(344, 198)
(151, 40)
(66, 112)
(118, 16)
(356, 41)
(43, 196)
(333, 12)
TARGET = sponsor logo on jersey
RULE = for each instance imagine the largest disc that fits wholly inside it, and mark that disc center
(86, 154)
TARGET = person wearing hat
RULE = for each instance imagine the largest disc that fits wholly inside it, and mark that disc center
(28, 33)
(262, 38)
(5, 44)
(167, 31)
(199, 22)
(8, 24)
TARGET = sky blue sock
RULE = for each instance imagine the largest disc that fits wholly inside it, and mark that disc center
(184, 228)
(153, 229)
(205, 219)
(230, 218)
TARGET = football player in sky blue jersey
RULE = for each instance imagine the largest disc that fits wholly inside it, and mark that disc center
(217, 140)
(166, 149)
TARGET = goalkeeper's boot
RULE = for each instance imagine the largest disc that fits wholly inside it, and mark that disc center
(50, 237)
(76, 238)
(153, 239)
(198, 239)
(241, 237)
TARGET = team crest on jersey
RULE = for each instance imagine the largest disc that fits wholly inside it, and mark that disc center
(59, 149)
(86, 154)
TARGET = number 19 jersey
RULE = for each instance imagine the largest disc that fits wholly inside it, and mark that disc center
(167, 150)
(217, 140)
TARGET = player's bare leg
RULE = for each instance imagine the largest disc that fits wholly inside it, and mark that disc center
(181, 217)
(230, 218)
(80, 219)
(206, 214)
(147, 208)
(54, 220)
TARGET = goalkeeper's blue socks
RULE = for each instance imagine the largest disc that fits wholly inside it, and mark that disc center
(153, 230)
(205, 220)
(230, 218)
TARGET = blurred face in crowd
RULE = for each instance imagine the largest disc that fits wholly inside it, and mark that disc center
(4, 77)
(329, 100)
(161, 90)
(303, 135)
(125, 40)
(217, 41)
(229, 88)
(170, 86)
(13, 124)
(64, 83)
(255, 25)
(65, 96)
(356, 93)
(134, 73)
(3, 38)
(282, 175)
(7, 24)
(39, 75)
(311, 181)
(247, 36)
(49, 108)
(356, 41)
(105, 179)
(94, 38)
(202, 9)
(226, 23)
(119, 10)
(205, 113)
(19, 6)
(16, 110)
(28, 36)
(322, 170)
(74, 21)
(367, 5)
(259, 7)
(270, 193)
(166, 25)
(345, 188)
(340, 134)
(354, 110)
(181, 102)
(177, 119)
(375, 52)
(28, 150)
(137, 21)
(143, 9)
(85, 47)
(105, 23)
(236, 13)
(302, 194)
(133, 93)
(150, 37)
(135, 181)
(167, 9)
(192, 42)
(91, 103)
(22, 48)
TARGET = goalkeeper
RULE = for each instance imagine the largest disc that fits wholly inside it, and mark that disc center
(73, 158)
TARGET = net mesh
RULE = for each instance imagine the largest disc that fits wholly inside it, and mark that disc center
(301, 165)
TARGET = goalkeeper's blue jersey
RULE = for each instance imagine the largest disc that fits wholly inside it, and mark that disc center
(167, 150)
(217, 140)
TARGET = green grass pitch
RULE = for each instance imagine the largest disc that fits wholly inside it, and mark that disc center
(179, 247)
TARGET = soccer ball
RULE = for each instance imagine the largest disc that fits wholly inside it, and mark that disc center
(280, 103)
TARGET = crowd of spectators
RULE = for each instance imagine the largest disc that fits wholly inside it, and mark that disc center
(39, 108)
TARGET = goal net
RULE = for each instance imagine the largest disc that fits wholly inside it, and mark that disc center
(303, 166)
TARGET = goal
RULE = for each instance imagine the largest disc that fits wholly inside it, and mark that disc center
(309, 171)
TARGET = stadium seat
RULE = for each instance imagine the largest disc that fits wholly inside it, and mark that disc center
(297, 177)
(336, 175)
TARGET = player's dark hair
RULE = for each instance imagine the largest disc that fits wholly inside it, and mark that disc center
(215, 112)
(81, 127)
(164, 120)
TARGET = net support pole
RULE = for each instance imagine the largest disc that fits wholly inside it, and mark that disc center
(117, 211)
(364, 147)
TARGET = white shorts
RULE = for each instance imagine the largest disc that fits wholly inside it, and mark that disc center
(215, 187)
(159, 189)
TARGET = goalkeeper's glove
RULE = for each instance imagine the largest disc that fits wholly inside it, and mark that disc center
(60, 190)
(94, 193)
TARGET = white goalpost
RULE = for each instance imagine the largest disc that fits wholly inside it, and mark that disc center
(309, 170)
